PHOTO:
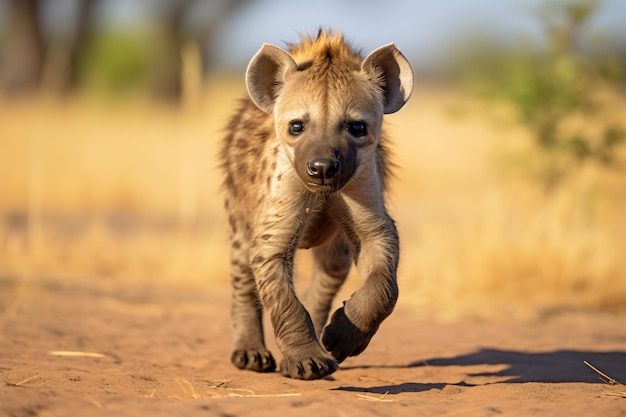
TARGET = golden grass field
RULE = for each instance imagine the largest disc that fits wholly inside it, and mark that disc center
(125, 190)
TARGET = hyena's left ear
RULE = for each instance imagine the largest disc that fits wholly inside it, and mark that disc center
(388, 66)
(266, 73)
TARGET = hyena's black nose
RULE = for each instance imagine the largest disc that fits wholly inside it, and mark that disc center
(324, 168)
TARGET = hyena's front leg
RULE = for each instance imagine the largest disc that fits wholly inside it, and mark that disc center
(352, 326)
(271, 257)
(249, 350)
(331, 264)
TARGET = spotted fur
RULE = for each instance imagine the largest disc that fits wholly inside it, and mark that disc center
(306, 166)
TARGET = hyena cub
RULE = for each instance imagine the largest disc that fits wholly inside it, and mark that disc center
(306, 167)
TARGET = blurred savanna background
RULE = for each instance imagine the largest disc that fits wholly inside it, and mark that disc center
(510, 190)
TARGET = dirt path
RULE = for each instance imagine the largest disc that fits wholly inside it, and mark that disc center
(147, 350)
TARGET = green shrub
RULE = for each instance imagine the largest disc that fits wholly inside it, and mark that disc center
(556, 90)
(117, 62)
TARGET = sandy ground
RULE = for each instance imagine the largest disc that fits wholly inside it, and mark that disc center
(147, 349)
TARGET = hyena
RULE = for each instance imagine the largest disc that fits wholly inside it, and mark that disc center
(306, 166)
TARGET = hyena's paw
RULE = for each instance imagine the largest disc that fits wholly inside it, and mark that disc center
(312, 363)
(342, 338)
(259, 360)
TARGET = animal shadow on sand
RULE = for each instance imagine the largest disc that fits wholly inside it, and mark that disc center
(561, 366)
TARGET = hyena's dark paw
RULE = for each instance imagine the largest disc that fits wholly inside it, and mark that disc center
(342, 338)
(259, 360)
(308, 364)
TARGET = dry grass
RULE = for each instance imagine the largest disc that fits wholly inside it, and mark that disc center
(221, 389)
(131, 191)
(17, 384)
(618, 390)
(76, 354)
(382, 398)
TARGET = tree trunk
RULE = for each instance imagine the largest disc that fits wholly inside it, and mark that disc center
(26, 51)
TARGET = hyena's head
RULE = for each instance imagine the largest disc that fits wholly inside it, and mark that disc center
(328, 104)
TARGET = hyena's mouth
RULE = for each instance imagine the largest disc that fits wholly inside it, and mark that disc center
(324, 186)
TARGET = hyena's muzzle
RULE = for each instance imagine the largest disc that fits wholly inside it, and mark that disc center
(325, 165)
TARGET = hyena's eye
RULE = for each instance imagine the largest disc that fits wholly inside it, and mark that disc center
(296, 127)
(357, 129)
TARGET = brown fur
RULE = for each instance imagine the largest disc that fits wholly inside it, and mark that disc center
(306, 166)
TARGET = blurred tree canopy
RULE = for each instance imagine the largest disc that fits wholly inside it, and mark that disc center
(145, 57)
(557, 91)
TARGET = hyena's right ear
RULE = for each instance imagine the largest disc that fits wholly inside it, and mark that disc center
(266, 73)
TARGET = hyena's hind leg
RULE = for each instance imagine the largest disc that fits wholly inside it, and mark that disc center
(249, 351)
(331, 264)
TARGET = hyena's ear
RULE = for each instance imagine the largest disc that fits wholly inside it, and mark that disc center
(266, 73)
(388, 66)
